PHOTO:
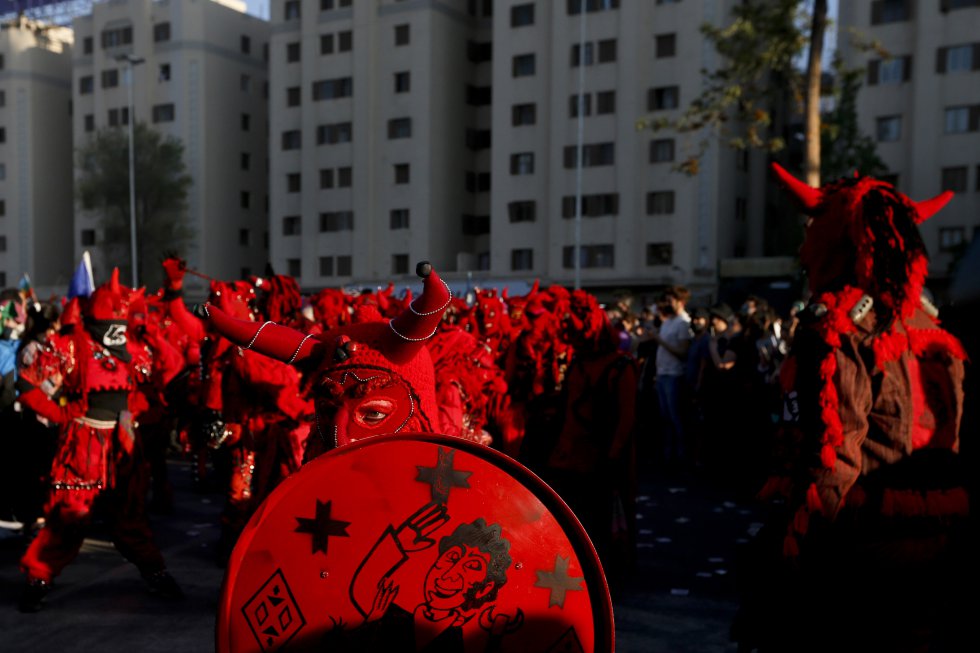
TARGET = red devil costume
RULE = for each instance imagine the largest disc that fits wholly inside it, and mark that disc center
(369, 378)
(873, 386)
(98, 451)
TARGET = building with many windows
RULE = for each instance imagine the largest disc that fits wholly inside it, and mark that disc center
(199, 75)
(404, 130)
(922, 104)
(35, 154)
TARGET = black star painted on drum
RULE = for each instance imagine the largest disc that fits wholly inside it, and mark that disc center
(558, 581)
(443, 477)
(321, 527)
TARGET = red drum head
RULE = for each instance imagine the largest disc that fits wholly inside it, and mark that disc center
(415, 542)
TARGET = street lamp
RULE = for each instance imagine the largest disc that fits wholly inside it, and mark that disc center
(132, 60)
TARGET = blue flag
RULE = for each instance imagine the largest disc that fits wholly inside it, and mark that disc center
(82, 284)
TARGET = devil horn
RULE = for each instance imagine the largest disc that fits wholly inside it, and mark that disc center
(114, 281)
(808, 197)
(928, 208)
(420, 320)
(275, 341)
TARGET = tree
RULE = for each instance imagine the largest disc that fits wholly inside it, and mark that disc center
(844, 148)
(162, 185)
(759, 50)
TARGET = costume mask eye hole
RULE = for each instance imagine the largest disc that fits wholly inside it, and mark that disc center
(374, 411)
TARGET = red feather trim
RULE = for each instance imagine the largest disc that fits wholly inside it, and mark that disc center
(813, 502)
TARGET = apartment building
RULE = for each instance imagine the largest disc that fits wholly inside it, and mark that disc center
(35, 154)
(922, 103)
(445, 130)
(201, 77)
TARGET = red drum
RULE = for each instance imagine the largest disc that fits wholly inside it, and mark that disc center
(414, 542)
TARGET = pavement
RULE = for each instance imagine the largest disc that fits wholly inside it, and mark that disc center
(680, 599)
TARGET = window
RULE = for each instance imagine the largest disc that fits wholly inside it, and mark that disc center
(573, 103)
(244, 237)
(575, 6)
(958, 59)
(113, 38)
(330, 89)
(336, 133)
(593, 206)
(580, 59)
(522, 163)
(660, 202)
(89, 121)
(596, 154)
(85, 85)
(291, 10)
(962, 119)
(326, 44)
(476, 225)
(951, 238)
(161, 32)
(590, 256)
(294, 182)
(477, 182)
(3, 171)
(163, 73)
(294, 267)
(245, 44)
(523, 114)
(336, 221)
(87, 45)
(3, 207)
(326, 266)
(163, 113)
(245, 83)
(291, 225)
(607, 51)
(523, 65)
(244, 199)
(292, 52)
(661, 150)
(889, 11)
(478, 96)
(291, 140)
(326, 178)
(344, 266)
(293, 96)
(889, 71)
(402, 35)
(399, 219)
(3, 134)
(663, 98)
(888, 128)
(403, 82)
(522, 259)
(954, 179)
(88, 237)
(741, 209)
(950, 5)
(666, 45)
(3, 244)
(402, 173)
(479, 52)
(478, 139)
(3, 99)
(345, 41)
(660, 253)
(113, 118)
(522, 211)
(110, 78)
(605, 102)
(344, 176)
(246, 122)
(245, 161)
(399, 264)
(400, 128)
(521, 15)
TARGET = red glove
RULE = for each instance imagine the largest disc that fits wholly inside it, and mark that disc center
(174, 268)
(40, 403)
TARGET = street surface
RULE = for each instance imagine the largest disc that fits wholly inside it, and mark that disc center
(681, 598)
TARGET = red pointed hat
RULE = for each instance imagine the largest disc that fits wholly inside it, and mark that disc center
(396, 345)
(110, 301)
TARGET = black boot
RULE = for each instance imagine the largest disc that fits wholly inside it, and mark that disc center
(162, 584)
(32, 598)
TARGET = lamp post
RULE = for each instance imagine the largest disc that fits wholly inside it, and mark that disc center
(132, 60)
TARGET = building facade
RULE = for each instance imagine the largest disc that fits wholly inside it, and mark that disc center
(200, 76)
(35, 154)
(404, 130)
(922, 103)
